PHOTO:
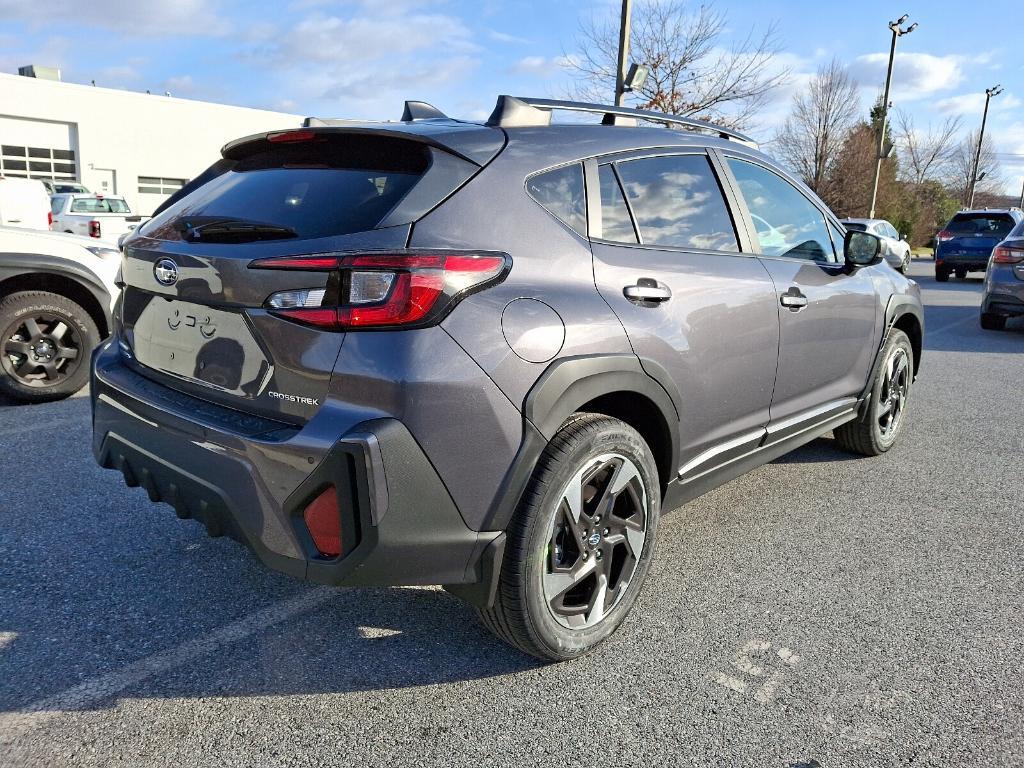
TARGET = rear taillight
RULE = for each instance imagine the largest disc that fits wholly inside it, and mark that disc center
(49, 218)
(1001, 254)
(94, 228)
(383, 290)
(323, 519)
(944, 235)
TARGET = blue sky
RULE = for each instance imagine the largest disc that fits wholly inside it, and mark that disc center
(360, 58)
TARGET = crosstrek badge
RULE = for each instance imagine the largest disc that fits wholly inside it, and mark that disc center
(294, 398)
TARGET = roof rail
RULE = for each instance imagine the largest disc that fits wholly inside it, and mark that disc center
(520, 111)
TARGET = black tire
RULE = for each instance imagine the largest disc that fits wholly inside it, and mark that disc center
(543, 546)
(941, 275)
(869, 434)
(961, 274)
(992, 322)
(45, 344)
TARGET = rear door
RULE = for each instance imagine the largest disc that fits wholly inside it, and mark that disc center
(197, 316)
(827, 315)
(696, 309)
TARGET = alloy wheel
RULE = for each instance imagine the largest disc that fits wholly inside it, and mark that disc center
(895, 388)
(41, 350)
(596, 541)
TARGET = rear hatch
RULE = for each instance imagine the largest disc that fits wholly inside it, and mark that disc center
(974, 234)
(199, 318)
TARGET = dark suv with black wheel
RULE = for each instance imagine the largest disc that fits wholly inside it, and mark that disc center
(488, 355)
(966, 242)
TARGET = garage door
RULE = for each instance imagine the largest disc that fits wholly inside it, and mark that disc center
(38, 149)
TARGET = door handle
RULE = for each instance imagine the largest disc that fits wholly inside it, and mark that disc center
(647, 289)
(793, 299)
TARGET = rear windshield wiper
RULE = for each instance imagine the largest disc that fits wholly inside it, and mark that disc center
(234, 231)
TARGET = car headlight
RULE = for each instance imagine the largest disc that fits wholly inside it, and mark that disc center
(103, 253)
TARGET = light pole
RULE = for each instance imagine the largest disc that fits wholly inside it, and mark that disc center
(620, 71)
(897, 31)
(989, 93)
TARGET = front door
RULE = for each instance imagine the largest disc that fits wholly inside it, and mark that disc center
(827, 315)
(693, 306)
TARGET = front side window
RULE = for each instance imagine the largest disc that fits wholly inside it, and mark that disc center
(787, 223)
(615, 222)
(561, 191)
(677, 202)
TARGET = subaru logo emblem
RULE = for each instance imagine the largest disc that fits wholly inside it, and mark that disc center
(594, 540)
(166, 272)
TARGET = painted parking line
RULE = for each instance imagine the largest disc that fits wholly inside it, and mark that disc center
(90, 692)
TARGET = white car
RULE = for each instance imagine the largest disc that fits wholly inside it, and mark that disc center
(57, 295)
(103, 217)
(24, 203)
(895, 249)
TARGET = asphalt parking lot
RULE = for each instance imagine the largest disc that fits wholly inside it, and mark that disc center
(823, 610)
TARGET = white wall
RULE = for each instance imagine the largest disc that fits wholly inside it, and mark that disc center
(132, 134)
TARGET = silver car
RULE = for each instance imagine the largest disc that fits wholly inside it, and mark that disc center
(894, 247)
(487, 355)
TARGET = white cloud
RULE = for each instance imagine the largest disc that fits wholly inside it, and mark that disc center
(541, 66)
(365, 62)
(130, 17)
(974, 103)
(915, 75)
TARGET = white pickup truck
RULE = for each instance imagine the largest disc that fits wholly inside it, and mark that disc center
(99, 216)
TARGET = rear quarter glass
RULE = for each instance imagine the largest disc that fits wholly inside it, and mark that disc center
(327, 187)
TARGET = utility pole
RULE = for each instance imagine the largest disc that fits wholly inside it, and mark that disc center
(620, 72)
(1021, 205)
(989, 93)
(897, 31)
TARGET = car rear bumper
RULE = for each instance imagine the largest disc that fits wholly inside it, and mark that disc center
(972, 262)
(251, 478)
(1002, 304)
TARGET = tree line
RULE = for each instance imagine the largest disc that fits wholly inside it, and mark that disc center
(825, 139)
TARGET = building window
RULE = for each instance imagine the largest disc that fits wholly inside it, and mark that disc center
(38, 162)
(156, 185)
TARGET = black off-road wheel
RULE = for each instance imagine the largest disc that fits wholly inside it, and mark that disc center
(961, 274)
(941, 275)
(875, 432)
(580, 544)
(45, 344)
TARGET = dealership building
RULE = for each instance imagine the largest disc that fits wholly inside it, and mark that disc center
(141, 146)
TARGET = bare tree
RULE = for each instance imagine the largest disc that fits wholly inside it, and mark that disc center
(692, 72)
(927, 154)
(961, 165)
(823, 114)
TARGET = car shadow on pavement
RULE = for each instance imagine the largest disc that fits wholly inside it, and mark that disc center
(822, 450)
(958, 329)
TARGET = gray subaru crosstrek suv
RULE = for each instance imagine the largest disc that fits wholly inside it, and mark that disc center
(488, 355)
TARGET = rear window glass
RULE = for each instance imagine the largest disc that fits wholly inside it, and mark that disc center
(312, 189)
(96, 205)
(677, 202)
(615, 222)
(980, 223)
(561, 192)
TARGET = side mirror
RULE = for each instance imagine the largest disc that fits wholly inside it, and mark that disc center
(862, 249)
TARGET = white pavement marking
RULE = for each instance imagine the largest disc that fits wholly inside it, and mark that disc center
(83, 695)
(947, 326)
(743, 662)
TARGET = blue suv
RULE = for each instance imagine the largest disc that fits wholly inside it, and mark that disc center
(966, 242)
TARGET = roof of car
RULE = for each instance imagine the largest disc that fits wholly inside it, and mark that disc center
(862, 221)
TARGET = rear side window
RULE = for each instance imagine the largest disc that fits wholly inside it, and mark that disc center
(677, 202)
(561, 192)
(615, 222)
(304, 190)
(855, 226)
(97, 205)
(56, 203)
(787, 223)
(990, 225)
